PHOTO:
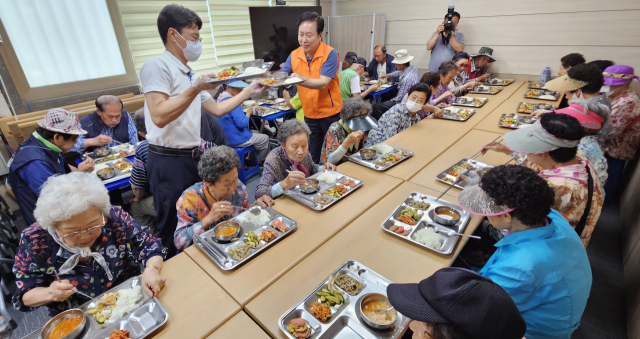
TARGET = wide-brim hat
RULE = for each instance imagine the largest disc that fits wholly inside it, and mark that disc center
(486, 51)
(588, 119)
(534, 139)
(62, 121)
(365, 123)
(475, 200)
(564, 84)
(237, 84)
(619, 75)
(402, 57)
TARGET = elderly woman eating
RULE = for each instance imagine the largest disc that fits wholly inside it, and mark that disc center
(443, 96)
(219, 197)
(89, 244)
(289, 164)
(346, 136)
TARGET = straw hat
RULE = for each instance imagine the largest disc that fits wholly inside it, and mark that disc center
(564, 83)
(402, 57)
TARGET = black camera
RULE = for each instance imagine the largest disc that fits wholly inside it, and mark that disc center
(448, 26)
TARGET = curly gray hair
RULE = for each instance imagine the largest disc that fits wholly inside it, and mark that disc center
(79, 191)
(354, 107)
(216, 162)
(292, 127)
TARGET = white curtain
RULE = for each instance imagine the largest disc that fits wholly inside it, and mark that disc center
(61, 41)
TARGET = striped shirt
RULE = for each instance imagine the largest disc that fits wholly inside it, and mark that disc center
(408, 78)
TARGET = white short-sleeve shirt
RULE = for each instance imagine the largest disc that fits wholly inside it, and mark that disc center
(166, 74)
(382, 69)
(355, 85)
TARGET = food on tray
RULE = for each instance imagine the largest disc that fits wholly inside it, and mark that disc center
(421, 205)
(330, 298)
(406, 219)
(380, 318)
(119, 334)
(101, 160)
(240, 252)
(449, 180)
(403, 153)
(122, 154)
(508, 120)
(535, 84)
(266, 101)
(105, 170)
(279, 225)
(532, 93)
(299, 328)
(268, 235)
(64, 327)
(332, 192)
(268, 82)
(494, 89)
(112, 157)
(259, 110)
(411, 212)
(349, 183)
(382, 149)
(477, 102)
(121, 165)
(115, 305)
(382, 163)
(341, 189)
(486, 169)
(547, 97)
(292, 80)
(348, 284)
(461, 169)
(328, 178)
(525, 107)
(127, 170)
(253, 71)
(428, 237)
(399, 229)
(252, 239)
(261, 219)
(391, 158)
(321, 200)
(447, 215)
(226, 230)
(227, 73)
(320, 311)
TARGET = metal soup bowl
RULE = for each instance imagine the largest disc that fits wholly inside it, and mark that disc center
(102, 152)
(223, 225)
(108, 175)
(368, 154)
(448, 211)
(311, 186)
(366, 298)
(74, 312)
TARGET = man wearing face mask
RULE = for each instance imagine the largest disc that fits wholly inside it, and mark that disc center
(174, 98)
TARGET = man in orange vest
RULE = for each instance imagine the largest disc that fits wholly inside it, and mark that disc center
(320, 92)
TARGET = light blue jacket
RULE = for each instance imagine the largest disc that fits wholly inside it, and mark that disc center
(547, 274)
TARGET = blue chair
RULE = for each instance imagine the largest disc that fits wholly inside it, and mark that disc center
(245, 173)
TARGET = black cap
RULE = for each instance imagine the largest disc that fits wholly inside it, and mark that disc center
(351, 57)
(360, 60)
(472, 303)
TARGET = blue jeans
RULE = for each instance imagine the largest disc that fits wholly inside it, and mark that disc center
(611, 188)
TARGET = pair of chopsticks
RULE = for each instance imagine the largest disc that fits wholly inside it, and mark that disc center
(492, 143)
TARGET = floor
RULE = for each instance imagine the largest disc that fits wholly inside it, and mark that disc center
(604, 316)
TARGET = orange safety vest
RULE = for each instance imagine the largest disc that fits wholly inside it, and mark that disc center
(317, 104)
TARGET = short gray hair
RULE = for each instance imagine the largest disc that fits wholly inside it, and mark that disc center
(103, 101)
(353, 107)
(64, 196)
(216, 162)
(292, 127)
(446, 67)
(138, 120)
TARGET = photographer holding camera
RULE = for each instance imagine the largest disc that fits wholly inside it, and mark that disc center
(445, 42)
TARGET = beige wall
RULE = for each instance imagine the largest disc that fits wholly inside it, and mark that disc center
(526, 35)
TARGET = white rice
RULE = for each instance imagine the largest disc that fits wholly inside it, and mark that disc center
(292, 80)
(327, 178)
(252, 71)
(261, 219)
(547, 97)
(126, 303)
(382, 149)
(428, 237)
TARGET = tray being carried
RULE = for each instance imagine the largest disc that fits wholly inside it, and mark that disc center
(447, 243)
(319, 200)
(498, 82)
(379, 163)
(146, 318)
(457, 114)
(515, 121)
(346, 319)
(486, 90)
(470, 102)
(542, 94)
(529, 107)
(447, 176)
(272, 82)
(262, 111)
(218, 250)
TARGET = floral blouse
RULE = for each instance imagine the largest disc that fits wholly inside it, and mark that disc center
(125, 245)
(591, 150)
(624, 110)
(195, 204)
(392, 122)
(334, 138)
(571, 194)
(275, 167)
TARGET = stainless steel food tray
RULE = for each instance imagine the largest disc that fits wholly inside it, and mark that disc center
(530, 83)
(427, 221)
(542, 92)
(444, 175)
(536, 106)
(468, 102)
(219, 251)
(450, 114)
(112, 150)
(481, 90)
(267, 111)
(281, 83)
(498, 82)
(521, 120)
(344, 321)
(308, 199)
(119, 174)
(148, 317)
(371, 163)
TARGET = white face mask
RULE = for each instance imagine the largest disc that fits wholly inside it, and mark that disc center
(413, 106)
(606, 90)
(192, 51)
(577, 97)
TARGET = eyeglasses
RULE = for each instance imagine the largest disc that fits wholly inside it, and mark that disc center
(78, 234)
(198, 39)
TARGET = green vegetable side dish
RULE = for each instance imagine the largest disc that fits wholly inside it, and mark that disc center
(252, 239)
(330, 298)
(411, 212)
